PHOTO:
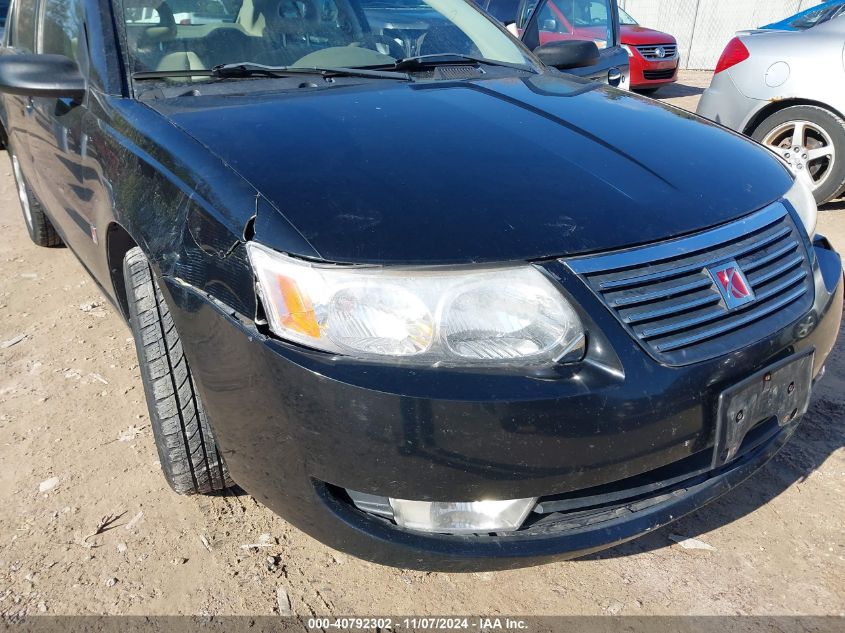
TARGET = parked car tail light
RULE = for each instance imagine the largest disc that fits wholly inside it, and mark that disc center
(734, 53)
(458, 316)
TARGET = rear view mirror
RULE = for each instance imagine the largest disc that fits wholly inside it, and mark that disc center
(52, 76)
(567, 54)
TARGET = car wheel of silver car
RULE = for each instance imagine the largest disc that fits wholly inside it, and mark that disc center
(812, 141)
(38, 225)
(186, 446)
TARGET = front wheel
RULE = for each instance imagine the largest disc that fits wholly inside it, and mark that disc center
(187, 450)
(812, 141)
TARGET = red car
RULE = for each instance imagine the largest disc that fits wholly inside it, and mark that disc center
(653, 55)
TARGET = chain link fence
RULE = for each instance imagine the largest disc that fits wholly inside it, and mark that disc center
(703, 27)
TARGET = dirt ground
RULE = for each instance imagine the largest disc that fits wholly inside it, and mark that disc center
(73, 422)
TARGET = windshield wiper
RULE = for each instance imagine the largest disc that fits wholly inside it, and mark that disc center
(421, 62)
(250, 69)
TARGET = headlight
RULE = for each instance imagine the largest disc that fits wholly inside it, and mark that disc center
(489, 316)
(802, 199)
(628, 50)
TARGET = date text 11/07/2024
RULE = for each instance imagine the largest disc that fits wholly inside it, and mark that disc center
(423, 623)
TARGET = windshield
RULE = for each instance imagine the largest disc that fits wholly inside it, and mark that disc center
(819, 16)
(180, 35)
(625, 18)
(4, 11)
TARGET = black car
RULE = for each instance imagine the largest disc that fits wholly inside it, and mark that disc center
(444, 308)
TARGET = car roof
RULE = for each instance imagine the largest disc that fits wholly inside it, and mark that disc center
(834, 25)
(786, 23)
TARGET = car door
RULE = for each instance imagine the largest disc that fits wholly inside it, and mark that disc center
(544, 21)
(57, 143)
(19, 110)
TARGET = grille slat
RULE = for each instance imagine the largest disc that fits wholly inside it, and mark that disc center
(673, 308)
(760, 244)
(767, 259)
(680, 326)
(663, 293)
(666, 297)
(681, 270)
(731, 325)
(775, 272)
(651, 277)
(714, 315)
(777, 289)
(649, 51)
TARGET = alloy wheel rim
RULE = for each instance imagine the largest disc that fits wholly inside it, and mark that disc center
(27, 212)
(807, 148)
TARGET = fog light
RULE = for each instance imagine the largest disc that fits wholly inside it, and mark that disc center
(462, 517)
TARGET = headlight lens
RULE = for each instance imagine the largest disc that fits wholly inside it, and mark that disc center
(485, 316)
(801, 197)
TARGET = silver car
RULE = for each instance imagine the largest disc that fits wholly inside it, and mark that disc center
(787, 90)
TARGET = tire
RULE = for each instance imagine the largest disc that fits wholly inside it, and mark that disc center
(648, 92)
(38, 225)
(822, 129)
(189, 455)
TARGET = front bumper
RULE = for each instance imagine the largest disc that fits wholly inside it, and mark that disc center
(298, 427)
(649, 74)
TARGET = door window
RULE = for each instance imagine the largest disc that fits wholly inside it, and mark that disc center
(61, 28)
(4, 11)
(23, 36)
(503, 10)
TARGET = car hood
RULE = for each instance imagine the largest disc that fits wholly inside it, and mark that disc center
(639, 35)
(495, 170)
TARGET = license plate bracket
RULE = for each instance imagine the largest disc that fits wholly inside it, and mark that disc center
(780, 391)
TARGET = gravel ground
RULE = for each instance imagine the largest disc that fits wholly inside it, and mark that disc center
(77, 453)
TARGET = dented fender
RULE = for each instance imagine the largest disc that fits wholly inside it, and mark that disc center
(188, 211)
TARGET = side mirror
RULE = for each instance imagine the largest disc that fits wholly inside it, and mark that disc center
(549, 25)
(566, 54)
(52, 76)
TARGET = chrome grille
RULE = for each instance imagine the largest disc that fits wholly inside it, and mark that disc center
(650, 51)
(664, 295)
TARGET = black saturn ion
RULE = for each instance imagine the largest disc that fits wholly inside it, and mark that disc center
(433, 300)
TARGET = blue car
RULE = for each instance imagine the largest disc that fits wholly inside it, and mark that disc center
(809, 18)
